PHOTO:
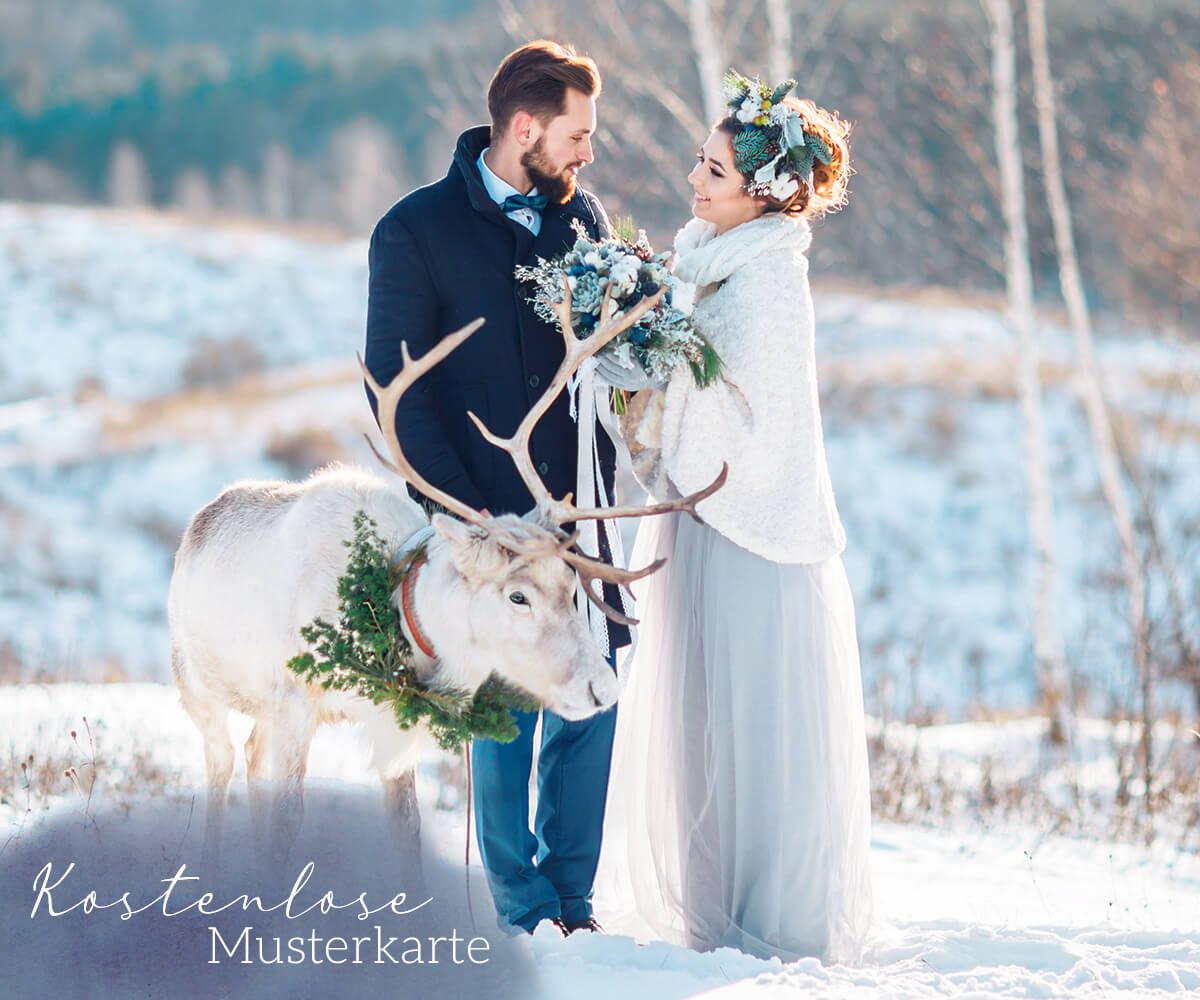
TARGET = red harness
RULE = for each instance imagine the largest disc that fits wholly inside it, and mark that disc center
(407, 587)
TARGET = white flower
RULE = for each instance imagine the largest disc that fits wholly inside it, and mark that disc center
(624, 274)
(750, 109)
(779, 113)
(766, 173)
(784, 186)
(592, 259)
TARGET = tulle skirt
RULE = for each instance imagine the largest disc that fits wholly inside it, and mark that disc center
(739, 804)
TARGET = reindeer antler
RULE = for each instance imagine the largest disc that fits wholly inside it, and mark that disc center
(388, 399)
(687, 503)
(555, 512)
(590, 568)
(577, 352)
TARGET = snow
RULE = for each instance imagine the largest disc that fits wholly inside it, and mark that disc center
(123, 299)
(106, 451)
(962, 911)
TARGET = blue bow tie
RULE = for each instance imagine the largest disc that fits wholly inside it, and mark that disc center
(514, 201)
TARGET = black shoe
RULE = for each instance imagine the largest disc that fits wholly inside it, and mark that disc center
(556, 921)
(590, 924)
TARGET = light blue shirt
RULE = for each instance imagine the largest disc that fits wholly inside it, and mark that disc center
(500, 189)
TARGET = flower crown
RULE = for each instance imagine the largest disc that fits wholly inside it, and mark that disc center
(774, 146)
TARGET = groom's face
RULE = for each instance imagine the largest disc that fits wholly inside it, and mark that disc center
(560, 147)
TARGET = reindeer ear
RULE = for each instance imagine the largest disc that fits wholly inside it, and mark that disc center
(451, 529)
(539, 517)
(474, 554)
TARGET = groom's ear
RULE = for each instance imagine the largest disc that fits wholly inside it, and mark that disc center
(524, 128)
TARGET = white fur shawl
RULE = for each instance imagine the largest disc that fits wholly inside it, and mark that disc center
(753, 303)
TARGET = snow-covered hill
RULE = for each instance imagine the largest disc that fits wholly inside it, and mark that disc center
(146, 361)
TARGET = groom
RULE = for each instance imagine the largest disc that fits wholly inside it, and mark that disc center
(441, 257)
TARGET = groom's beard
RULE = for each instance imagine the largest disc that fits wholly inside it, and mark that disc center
(558, 185)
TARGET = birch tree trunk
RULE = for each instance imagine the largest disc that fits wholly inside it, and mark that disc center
(779, 40)
(1088, 383)
(710, 61)
(1047, 644)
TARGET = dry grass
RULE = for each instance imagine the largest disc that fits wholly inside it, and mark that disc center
(302, 451)
(925, 295)
(911, 785)
(78, 765)
(157, 219)
(215, 362)
(194, 413)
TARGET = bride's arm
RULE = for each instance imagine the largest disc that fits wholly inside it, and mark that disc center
(746, 417)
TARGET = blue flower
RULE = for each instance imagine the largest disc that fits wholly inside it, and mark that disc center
(638, 335)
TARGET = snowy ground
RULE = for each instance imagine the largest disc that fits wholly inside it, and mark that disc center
(962, 912)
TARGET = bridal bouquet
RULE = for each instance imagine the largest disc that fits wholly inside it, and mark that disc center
(661, 341)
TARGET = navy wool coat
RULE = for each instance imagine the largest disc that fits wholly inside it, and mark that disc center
(441, 257)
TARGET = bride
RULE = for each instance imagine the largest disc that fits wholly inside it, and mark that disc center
(739, 808)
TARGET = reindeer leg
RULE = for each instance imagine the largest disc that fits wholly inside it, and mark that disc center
(212, 720)
(258, 780)
(404, 818)
(292, 726)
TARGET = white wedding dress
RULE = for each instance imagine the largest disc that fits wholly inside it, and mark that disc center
(739, 802)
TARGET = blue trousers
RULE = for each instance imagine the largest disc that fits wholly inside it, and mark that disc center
(548, 872)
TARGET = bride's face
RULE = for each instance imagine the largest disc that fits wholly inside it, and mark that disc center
(721, 196)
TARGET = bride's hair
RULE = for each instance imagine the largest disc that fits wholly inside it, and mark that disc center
(830, 180)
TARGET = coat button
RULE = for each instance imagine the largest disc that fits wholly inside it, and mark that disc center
(534, 381)
(543, 468)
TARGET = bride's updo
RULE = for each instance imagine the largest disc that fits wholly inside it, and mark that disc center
(828, 189)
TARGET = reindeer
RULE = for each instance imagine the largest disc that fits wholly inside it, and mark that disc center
(488, 593)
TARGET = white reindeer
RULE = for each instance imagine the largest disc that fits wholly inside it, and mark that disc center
(489, 594)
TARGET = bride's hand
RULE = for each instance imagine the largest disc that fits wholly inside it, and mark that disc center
(620, 377)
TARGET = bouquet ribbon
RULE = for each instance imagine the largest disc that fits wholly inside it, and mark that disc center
(587, 411)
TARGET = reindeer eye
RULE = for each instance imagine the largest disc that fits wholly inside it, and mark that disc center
(517, 597)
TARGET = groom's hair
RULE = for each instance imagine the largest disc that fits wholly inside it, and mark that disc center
(535, 78)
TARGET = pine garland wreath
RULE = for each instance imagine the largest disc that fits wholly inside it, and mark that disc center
(366, 652)
(770, 127)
